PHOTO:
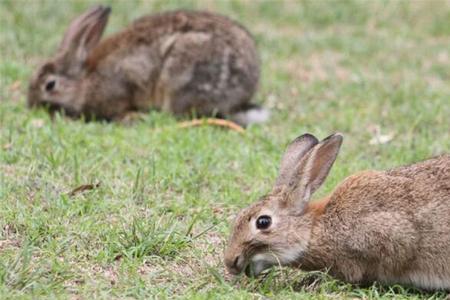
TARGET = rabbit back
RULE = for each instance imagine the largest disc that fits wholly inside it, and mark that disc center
(181, 61)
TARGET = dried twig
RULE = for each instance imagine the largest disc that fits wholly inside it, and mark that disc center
(84, 187)
(211, 121)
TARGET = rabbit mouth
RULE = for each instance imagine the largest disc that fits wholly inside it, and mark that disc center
(255, 269)
(259, 263)
(54, 108)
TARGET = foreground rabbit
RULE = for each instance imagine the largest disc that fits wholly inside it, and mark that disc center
(181, 62)
(391, 227)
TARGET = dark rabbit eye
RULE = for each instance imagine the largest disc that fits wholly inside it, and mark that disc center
(263, 222)
(50, 85)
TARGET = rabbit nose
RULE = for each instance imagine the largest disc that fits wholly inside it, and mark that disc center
(234, 265)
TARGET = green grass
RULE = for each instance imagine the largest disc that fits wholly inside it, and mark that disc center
(157, 223)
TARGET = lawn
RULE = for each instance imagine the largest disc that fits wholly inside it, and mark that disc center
(155, 223)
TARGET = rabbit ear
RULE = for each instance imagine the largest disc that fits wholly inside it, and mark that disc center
(83, 34)
(292, 156)
(312, 170)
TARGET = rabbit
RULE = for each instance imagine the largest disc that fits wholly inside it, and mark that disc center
(181, 62)
(391, 227)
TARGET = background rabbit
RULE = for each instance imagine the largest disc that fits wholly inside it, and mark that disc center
(181, 61)
(391, 227)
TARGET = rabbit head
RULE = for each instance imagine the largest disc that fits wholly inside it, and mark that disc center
(58, 83)
(276, 229)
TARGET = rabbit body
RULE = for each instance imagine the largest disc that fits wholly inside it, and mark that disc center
(392, 227)
(181, 62)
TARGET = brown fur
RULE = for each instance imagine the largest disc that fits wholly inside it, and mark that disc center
(391, 226)
(318, 207)
(180, 61)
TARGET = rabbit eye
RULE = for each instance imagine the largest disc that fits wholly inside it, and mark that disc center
(50, 85)
(263, 222)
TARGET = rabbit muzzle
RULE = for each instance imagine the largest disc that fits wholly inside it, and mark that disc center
(259, 263)
(235, 265)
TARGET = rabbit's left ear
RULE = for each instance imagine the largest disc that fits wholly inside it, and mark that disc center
(313, 169)
(83, 34)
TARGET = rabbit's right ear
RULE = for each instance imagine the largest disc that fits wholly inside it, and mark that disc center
(312, 170)
(292, 156)
(83, 35)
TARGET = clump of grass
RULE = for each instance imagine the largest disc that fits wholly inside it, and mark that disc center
(156, 236)
(19, 272)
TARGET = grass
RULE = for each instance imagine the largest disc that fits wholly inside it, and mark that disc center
(156, 225)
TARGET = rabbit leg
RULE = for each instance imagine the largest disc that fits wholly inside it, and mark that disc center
(129, 118)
